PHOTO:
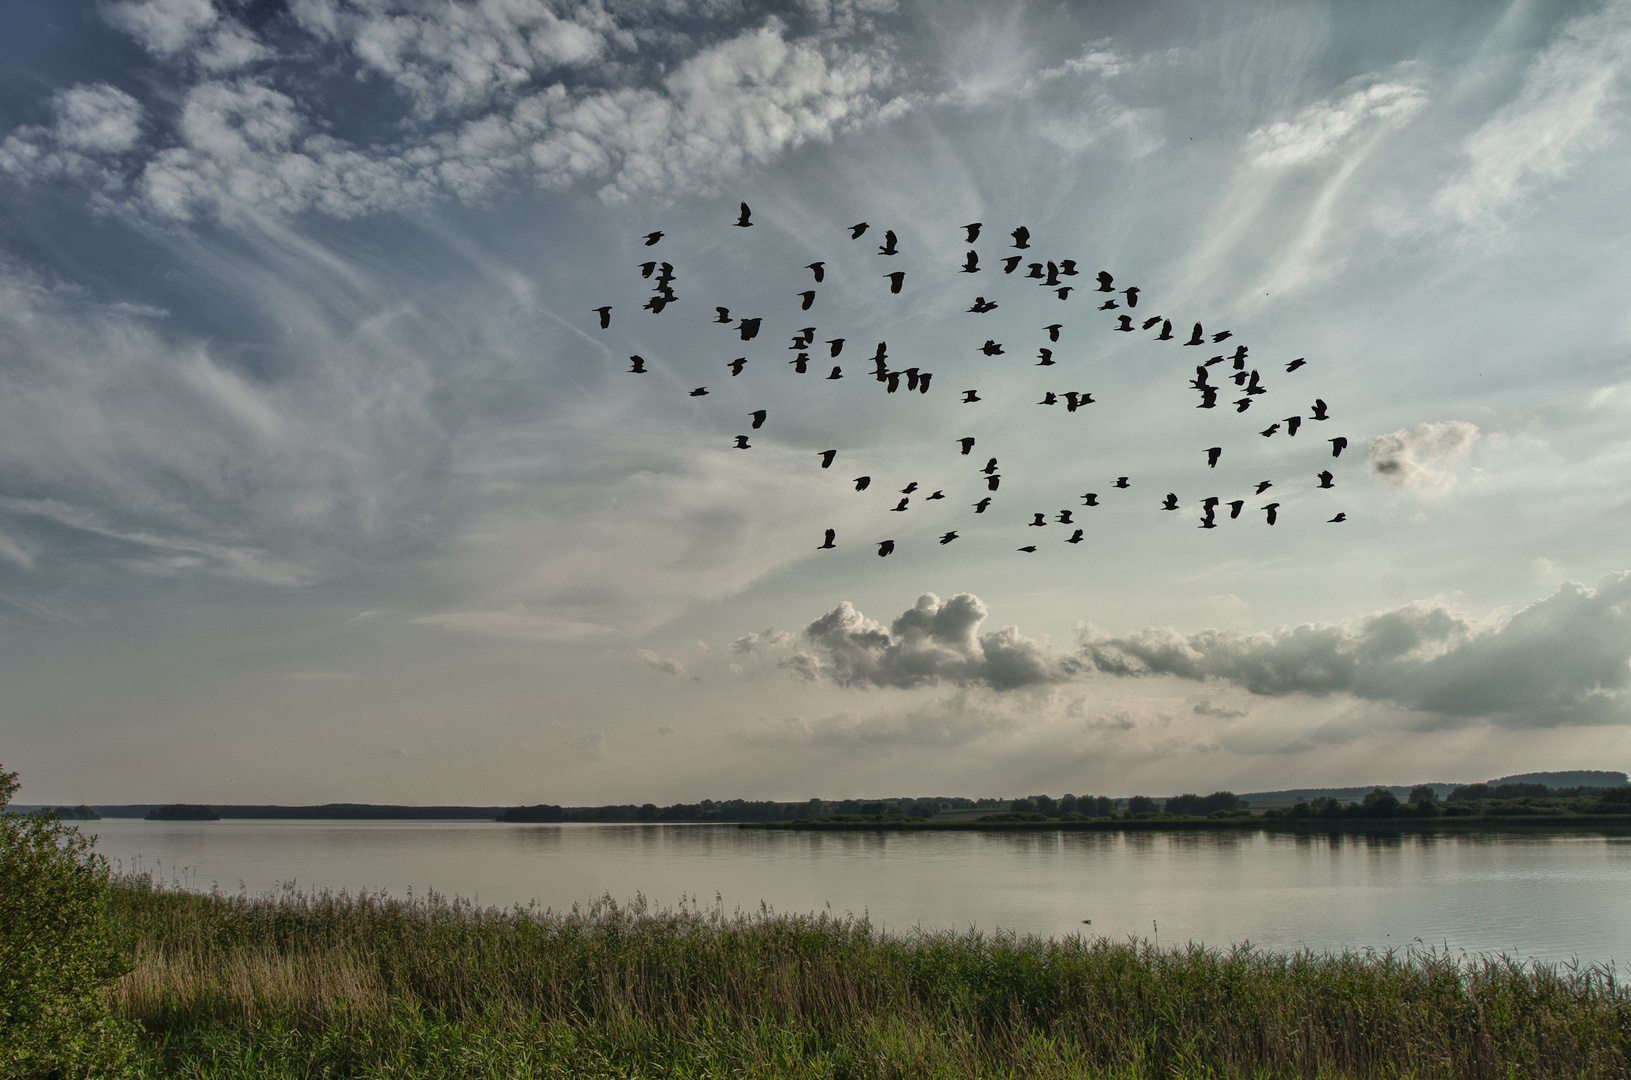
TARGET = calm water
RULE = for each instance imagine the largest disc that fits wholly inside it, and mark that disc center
(1549, 897)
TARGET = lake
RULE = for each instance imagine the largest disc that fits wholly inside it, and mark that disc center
(1543, 896)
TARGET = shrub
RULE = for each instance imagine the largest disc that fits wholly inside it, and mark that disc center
(58, 950)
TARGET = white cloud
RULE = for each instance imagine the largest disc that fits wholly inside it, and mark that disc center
(94, 122)
(1322, 129)
(163, 27)
(666, 665)
(1417, 458)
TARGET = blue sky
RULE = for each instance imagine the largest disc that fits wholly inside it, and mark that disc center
(319, 479)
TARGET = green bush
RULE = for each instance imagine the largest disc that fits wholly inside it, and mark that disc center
(58, 951)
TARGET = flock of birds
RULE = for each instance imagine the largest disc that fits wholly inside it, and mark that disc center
(1053, 275)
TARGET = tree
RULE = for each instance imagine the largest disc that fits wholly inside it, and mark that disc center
(1141, 804)
(59, 949)
(1423, 793)
(1380, 803)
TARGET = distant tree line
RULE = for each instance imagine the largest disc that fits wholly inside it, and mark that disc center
(1469, 800)
(743, 810)
(182, 812)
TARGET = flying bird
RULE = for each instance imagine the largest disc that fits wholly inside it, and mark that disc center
(639, 367)
(982, 305)
(1048, 398)
(1125, 324)
(1339, 517)
(949, 537)
(1209, 398)
(1132, 296)
(1239, 355)
(991, 348)
(1046, 356)
(1029, 549)
(1295, 364)
(832, 534)
(1039, 520)
(923, 382)
(1022, 237)
(1326, 478)
(1106, 282)
(1263, 485)
(1273, 509)
(1196, 337)
(652, 238)
(826, 458)
(856, 230)
(971, 263)
(1053, 330)
(1035, 270)
(744, 219)
(1222, 335)
(1053, 274)
(749, 328)
(885, 548)
(1011, 263)
(1154, 320)
(888, 246)
(1067, 267)
(979, 507)
(900, 507)
(1319, 410)
(973, 228)
(701, 391)
(861, 482)
(883, 352)
(911, 378)
(1171, 502)
(1121, 482)
(990, 467)
(816, 269)
(1064, 518)
(837, 346)
(1064, 291)
(1212, 455)
(1338, 445)
(893, 379)
(895, 279)
(837, 372)
(1270, 430)
(742, 443)
(737, 365)
(758, 418)
(1235, 506)
(1242, 404)
(1166, 331)
(1090, 499)
(970, 397)
(1073, 399)
(1292, 424)
(804, 339)
(937, 494)
(801, 363)
(647, 267)
(992, 481)
(724, 315)
(1108, 305)
(909, 488)
(967, 443)
(809, 298)
(605, 315)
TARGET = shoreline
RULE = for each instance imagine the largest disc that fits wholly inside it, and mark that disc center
(1489, 823)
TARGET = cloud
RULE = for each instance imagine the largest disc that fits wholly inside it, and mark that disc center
(1412, 458)
(663, 664)
(193, 29)
(94, 122)
(929, 643)
(1325, 127)
(1563, 659)
(515, 623)
(958, 720)
(748, 644)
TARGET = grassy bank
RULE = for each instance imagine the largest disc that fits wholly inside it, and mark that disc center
(302, 985)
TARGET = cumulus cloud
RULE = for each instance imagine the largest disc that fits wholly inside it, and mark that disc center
(663, 664)
(94, 123)
(1325, 127)
(190, 28)
(929, 643)
(1416, 459)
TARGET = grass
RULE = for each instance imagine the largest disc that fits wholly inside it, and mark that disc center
(321, 985)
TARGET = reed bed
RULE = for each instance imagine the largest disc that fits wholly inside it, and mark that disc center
(319, 984)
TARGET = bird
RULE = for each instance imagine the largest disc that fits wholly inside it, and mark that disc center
(1339, 517)
(742, 443)
(967, 443)
(737, 365)
(1029, 549)
(1326, 478)
(1242, 404)
(1222, 335)
(826, 458)
(991, 348)
(1202, 378)
(639, 367)
(923, 382)
(1011, 263)
(1338, 445)
(816, 268)
(800, 363)
(836, 346)
(861, 482)
(1235, 506)
(758, 418)
(1067, 267)
(1166, 331)
(1108, 305)
(1196, 337)
(749, 328)
(971, 263)
(949, 537)
(1171, 502)
(1125, 324)
(893, 379)
(1253, 386)
(1022, 237)
(911, 378)
(856, 230)
(883, 352)
(1154, 320)
(970, 397)
(1035, 270)
(742, 220)
(979, 507)
(1239, 378)
(1075, 537)
(888, 246)
(1239, 355)
(809, 298)
(1064, 291)
(909, 488)
(701, 391)
(885, 547)
(837, 372)
(1209, 398)
(832, 534)
(724, 315)
(895, 279)
(1292, 424)
(652, 238)
(1064, 518)
(973, 228)
(990, 467)
(665, 272)
(1212, 455)
(1270, 430)
(1121, 482)
(982, 305)
(1048, 398)
(1106, 282)
(1208, 505)
(1039, 520)
(805, 338)
(647, 267)
(992, 481)
(605, 315)
(1319, 410)
(1263, 485)
(1046, 358)
(1053, 330)
(1273, 509)
(900, 507)
(1074, 399)
(1295, 364)
(1132, 296)
(1053, 274)
(1090, 499)
(936, 494)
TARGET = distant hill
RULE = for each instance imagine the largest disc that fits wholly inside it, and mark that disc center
(1586, 778)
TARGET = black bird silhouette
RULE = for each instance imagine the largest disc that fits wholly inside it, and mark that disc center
(883, 352)
(900, 507)
(1295, 364)
(1074, 398)
(1242, 404)
(749, 328)
(1090, 499)
(742, 443)
(1039, 519)
(1035, 270)
(724, 315)
(861, 482)
(837, 346)
(1048, 398)
(1270, 430)
(893, 379)
(1326, 478)
(1209, 507)
(826, 458)
(1132, 296)
(1263, 485)
(911, 378)
(1253, 386)
(809, 298)
(973, 228)
(936, 494)
(647, 267)
(1067, 267)
(832, 534)
(1125, 324)
(1201, 379)
(1209, 398)
(605, 315)
(1053, 274)
(1239, 355)
(992, 481)
(1011, 263)
(1319, 410)
(1166, 331)
(1022, 237)
(652, 238)
(888, 247)
(1171, 502)
(1028, 548)
(743, 220)
(1272, 508)
(982, 305)
(979, 507)
(1222, 335)
(1154, 320)
(1046, 357)
(1075, 537)
(1235, 507)
(909, 488)
(758, 418)
(895, 279)
(990, 467)
(656, 304)
(949, 537)
(701, 391)
(1214, 360)
(837, 372)
(1292, 424)
(805, 339)
(970, 397)
(971, 263)
(1106, 282)
(1212, 455)
(1339, 517)
(639, 367)
(665, 273)
(801, 363)
(1064, 291)
(1196, 337)
(1338, 444)
(885, 547)
(816, 269)
(967, 443)
(856, 230)
(737, 365)
(1108, 305)
(1121, 482)
(1053, 330)
(1064, 518)
(923, 382)
(991, 348)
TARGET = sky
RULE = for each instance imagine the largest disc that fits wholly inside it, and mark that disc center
(321, 481)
